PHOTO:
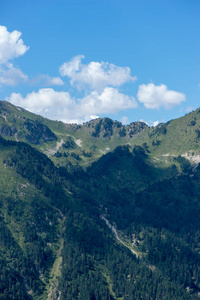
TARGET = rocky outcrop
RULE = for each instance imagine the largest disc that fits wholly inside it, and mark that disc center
(38, 133)
(6, 130)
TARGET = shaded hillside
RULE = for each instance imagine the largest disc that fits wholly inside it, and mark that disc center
(156, 211)
(54, 245)
(125, 226)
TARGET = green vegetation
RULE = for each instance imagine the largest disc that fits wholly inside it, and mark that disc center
(60, 183)
(65, 144)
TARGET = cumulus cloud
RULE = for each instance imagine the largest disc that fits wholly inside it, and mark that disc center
(110, 100)
(95, 75)
(153, 96)
(9, 75)
(47, 102)
(102, 97)
(61, 106)
(71, 67)
(11, 45)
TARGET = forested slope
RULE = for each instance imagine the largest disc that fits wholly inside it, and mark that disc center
(55, 243)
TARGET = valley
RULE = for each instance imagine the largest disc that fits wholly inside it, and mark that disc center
(99, 211)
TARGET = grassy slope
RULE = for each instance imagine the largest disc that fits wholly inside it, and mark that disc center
(178, 137)
(164, 142)
(11, 115)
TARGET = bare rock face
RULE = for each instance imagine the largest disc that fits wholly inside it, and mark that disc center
(105, 128)
(135, 128)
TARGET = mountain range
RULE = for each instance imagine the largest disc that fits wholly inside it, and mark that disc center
(99, 211)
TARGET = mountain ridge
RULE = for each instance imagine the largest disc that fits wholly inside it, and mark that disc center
(83, 144)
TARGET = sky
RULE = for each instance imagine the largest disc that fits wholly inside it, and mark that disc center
(78, 60)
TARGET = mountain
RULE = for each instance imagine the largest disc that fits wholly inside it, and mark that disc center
(66, 144)
(70, 144)
(120, 223)
(176, 137)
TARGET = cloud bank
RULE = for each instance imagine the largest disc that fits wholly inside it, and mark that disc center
(61, 106)
(100, 82)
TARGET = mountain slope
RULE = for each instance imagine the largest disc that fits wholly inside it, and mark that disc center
(176, 137)
(70, 144)
(66, 144)
(57, 223)
(156, 213)
(40, 216)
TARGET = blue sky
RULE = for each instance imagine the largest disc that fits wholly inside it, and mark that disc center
(77, 60)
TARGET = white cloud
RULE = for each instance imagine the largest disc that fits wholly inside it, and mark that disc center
(150, 123)
(54, 81)
(46, 80)
(11, 45)
(155, 123)
(153, 96)
(9, 75)
(60, 105)
(69, 68)
(125, 120)
(109, 101)
(47, 102)
(81, 120)
(96, 75)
